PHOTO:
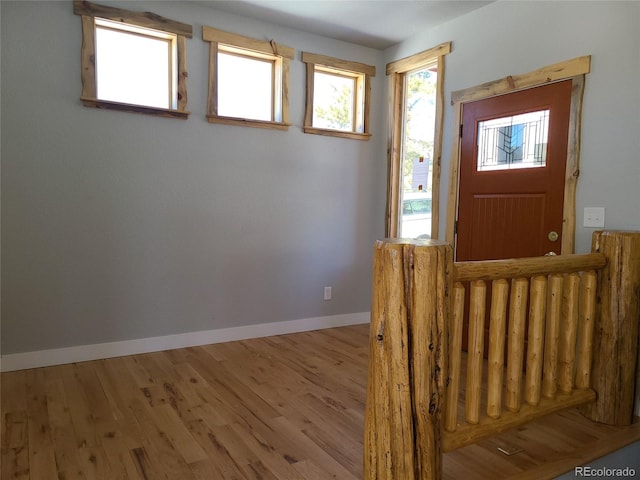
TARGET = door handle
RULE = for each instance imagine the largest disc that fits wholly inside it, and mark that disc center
(553, 236)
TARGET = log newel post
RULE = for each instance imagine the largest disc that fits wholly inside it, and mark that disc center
(615, 341)
(408, 360)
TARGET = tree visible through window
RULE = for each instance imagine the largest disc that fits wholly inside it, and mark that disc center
(419, 128)
(337, 96)
(334, 102)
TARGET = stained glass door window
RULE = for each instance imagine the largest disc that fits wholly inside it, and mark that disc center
(518, 141)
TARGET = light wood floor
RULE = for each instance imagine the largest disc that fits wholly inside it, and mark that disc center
(288, 407)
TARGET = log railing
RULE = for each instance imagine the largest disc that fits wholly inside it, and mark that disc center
(581, 348)
(550, 302)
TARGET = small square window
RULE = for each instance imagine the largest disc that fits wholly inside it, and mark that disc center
(337, 97)
(248, 80)
(133, 61)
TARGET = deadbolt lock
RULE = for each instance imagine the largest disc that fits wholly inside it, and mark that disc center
(553, 236)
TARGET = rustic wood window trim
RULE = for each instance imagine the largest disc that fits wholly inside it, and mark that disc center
(280, 53)
(574, 70)
(89, 12)
(396, 71)
(360, 71)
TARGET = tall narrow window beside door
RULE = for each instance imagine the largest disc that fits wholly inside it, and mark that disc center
(417, 98)
(419, 117)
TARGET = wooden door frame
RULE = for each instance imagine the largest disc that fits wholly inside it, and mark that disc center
(574, 70)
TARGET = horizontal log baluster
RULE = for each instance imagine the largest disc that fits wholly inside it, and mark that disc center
(515, 347)
(497, 329)
(552, 335)
(477, 302)
(535, 340)
(455, 353)
(568, 332)
(467, 434)
(527, 267)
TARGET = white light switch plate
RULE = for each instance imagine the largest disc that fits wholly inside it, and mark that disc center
(594, 217)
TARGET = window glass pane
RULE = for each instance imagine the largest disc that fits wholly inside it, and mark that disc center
(133, 68)
(417, 152)
(333, 101)
(245, 87)
(518, 141)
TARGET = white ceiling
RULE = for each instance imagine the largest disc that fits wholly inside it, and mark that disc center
(373, 23)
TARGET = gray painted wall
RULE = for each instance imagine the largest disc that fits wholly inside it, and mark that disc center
(509, 38)
(120, 226)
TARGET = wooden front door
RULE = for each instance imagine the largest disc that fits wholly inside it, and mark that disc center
(512, 174)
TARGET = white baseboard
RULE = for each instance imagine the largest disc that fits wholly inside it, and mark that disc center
(82, 353)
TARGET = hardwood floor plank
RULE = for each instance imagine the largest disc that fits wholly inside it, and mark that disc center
(122, 465)
(41, 448)
(14, 428)
(297, 446)
(341, 440)
(220, 459)
(101, 409)
(62, 432)
(260, 472)
(310, 471)
(13, 391)
(15, 446)
(79, 408)
(144, 465)
(95, 464)
(232, 393)
(268, 460)
(165, 460)
(42, 463)
(133, 367)
(15, 432)
(170, 424)
(208, 469)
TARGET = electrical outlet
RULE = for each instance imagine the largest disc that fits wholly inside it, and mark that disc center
(327, 293)
(593, 217)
